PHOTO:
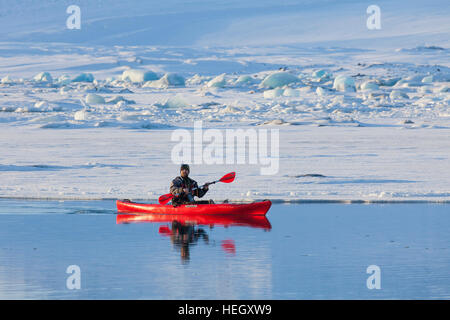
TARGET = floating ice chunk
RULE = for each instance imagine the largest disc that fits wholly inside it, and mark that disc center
(118, 83)
(43, 77)
(121, 104)
(441, 76)
(321, 91)
(375, 95)
(416, 78)
(427, 79)
(117, 99)
(101, 89)
(175, 102)
(197, 79)
(63, 80)
(344, 83)
(93, 98)
(444, 89)
(80, 115)
(388, 82)
(44, 106)
(270, 94)
(396, 94)
(174, 79)
(84, 77)
(278, 79)
(338, 100)
(369, 85)
(207, 92)
(412, 81)
(126, 90)
(124, 116)
(289, 92)
(64, 90)
(276, 122)
(305, 89)
(245, 80)
(134, 75)
(321, 74)
(229, 109)
(41, 105)
(217, 82)
(168, 80)
(424, 90)
(7, 80)
(401, 83)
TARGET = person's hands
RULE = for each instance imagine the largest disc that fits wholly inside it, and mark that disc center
(186, 190)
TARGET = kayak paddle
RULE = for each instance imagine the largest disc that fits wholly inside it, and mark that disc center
(229, 177)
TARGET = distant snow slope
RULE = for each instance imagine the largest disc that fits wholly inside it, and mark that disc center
(224, 23)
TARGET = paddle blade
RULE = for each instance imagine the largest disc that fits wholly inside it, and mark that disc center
(228, 177)
(164, 199)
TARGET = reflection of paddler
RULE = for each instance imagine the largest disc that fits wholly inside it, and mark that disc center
(184, 235)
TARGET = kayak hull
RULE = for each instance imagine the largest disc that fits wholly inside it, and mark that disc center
(229, 220)
(255, 208)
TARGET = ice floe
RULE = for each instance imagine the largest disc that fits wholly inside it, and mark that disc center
(134, 75)
(217, 82)
(168, 80)
(270, 94)
(369, 85)
(7, 80)
(93, 98)
(118, 99)
(278, 79)
(43, 77)
(344, 83)
(176, 102)
(84, 77)
(397, 94)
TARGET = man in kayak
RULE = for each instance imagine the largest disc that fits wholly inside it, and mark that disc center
(184, 188)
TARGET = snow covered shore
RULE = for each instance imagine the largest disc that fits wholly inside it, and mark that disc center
(316, 163)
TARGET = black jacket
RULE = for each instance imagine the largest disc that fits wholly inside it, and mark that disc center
(177, 186)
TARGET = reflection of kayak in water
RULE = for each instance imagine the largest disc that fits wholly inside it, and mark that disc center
(255, 208)
(253, 221)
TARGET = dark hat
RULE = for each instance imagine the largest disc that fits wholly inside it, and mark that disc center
(185, 166)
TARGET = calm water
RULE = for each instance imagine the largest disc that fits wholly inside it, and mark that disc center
(308, 251)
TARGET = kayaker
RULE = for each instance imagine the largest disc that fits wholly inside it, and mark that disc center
(184, 188)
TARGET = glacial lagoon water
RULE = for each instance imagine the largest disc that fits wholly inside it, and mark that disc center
(301, 251)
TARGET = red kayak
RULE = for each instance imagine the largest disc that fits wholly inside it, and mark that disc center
(252, 221)
(255, 208)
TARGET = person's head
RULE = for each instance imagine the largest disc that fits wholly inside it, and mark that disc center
(184, 170)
